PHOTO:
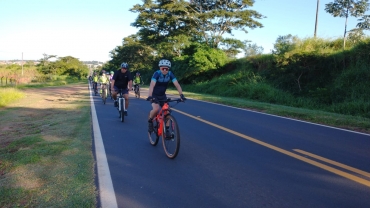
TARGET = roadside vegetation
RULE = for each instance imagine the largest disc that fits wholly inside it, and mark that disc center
(45, 136)
(322, 75)
(46, 149)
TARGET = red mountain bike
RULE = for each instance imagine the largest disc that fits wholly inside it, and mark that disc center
(165, 126)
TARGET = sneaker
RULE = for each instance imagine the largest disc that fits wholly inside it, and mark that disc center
(115, 103)
(168, 134)
(125, 113)
(150, 126)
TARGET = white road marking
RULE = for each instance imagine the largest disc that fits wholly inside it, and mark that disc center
(106, 190)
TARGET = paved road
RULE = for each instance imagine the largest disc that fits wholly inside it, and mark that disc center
(231, 157)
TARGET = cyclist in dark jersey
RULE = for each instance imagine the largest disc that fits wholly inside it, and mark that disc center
(158, 87)
(120, 81)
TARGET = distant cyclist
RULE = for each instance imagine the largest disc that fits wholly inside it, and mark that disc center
(103, 80)
(111, 75)
(158, 87)
(95, 81)
(137, 80)
(121, 79)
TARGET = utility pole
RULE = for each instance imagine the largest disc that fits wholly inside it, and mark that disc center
(22, 63)
(317, 15)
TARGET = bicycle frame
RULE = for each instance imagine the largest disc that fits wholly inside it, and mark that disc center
(104, 89)
(165, 110)
(121, 105)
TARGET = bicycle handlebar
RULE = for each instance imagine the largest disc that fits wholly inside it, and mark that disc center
(178, 100)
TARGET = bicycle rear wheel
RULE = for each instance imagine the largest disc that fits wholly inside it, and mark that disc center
(153, 136)
(104, 95)
(171, 145)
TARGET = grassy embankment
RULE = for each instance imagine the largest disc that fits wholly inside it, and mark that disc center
(311, 79)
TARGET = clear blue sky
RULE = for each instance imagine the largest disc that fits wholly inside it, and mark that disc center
(89, 29)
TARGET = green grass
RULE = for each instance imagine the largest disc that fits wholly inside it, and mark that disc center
(8, 95)
(53, 165)
(60, 81)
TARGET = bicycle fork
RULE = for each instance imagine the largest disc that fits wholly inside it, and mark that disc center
(121, 104)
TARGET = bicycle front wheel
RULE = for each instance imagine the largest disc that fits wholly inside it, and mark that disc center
(122, 109)
(104, 95)
(153, 135)
(171, 137)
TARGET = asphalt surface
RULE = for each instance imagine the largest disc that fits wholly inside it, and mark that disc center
(231, 157)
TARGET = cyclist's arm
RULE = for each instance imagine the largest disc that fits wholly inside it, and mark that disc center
(178, 87)
(151, 87)
(129, 85)
(112, 84)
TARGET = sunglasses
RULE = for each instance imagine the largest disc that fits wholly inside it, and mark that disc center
(124, 68)
(165, 69)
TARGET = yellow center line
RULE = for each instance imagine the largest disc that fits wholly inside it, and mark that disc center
(334, 163)
(291, 154)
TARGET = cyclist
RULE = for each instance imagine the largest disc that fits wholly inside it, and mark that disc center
(95, 81)
(121, 79)
(110, 76)
(158, 87)
(137, 80)
(103, 80)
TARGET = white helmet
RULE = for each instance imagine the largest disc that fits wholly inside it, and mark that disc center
(164, 62)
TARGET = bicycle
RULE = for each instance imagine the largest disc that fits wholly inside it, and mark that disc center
(95, 87)
(137, 91)
(121, 106)
(104, 92)
(110, 92)
(165, 123)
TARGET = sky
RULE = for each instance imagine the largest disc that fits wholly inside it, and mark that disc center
(90, 29)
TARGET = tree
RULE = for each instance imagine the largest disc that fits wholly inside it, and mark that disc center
(253, 50)
(232, 46)
(204, 21)
(44, 65)
(214, 18)
(284, 44)
(364, 23)
(137, 54)
(163, 24)
(345, 8)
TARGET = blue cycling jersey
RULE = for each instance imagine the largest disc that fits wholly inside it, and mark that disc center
(162, 81)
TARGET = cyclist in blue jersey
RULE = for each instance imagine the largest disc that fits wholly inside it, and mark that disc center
(158, 87)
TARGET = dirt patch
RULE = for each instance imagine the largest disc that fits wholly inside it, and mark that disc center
(32, 114)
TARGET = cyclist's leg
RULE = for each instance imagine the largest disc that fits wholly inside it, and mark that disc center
(152, 114)
(126, 100)
(114, 95)
(154, 111)
(104, 90)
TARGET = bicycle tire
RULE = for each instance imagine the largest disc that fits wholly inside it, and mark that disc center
(171, 145)
(122, 112)
(153, 136)
(138, 92)
(104, 95)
